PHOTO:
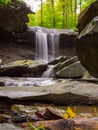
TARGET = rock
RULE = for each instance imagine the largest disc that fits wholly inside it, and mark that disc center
(20, 67)
(67, 38)
(1, 62)
(65, 63)
(88, 77)
(57, 60)
(87, 15)
(87, 47)
(51, 114)
(64, 92)
(17, 23)
(75, 70)
(18, 118)
(4, 118)
(71, 124)
(6, 126)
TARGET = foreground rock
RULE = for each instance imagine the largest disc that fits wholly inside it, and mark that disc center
(87, 15)
(6, 126)
(61, 92)
(87, 47)
(75, 124)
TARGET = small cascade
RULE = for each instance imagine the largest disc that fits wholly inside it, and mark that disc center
(49, 72)
(47, 43)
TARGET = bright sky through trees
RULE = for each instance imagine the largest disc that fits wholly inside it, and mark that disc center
(34, 4)
(56, 13)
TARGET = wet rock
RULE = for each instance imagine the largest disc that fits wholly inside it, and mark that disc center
(87, 15)
(20, 67)
(75, 70)
(65, 63)
(64, 92)
(57, 60)
(87, 47)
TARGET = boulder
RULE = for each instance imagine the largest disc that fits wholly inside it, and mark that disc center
(13, 17)
(74, 70)
(87, 47)
(87, 15)
(21, 67)
(65, 63)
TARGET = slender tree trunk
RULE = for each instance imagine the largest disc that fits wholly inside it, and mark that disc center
(63, 14)
(71, 11)
(80, 5)
(75, 11)
(66, 16)
(52, 2)
(41, 20)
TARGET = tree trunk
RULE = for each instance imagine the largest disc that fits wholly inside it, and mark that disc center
(52, 2)
(41, 20)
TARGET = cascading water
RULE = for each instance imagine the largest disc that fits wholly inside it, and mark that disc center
(47, 47)
(41, 46)
(47, 43)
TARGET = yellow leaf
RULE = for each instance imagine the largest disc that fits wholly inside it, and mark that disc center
(69, 113)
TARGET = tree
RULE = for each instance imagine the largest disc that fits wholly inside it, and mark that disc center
(59, 13)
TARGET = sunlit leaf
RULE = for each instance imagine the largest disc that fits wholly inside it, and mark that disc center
(69, 113)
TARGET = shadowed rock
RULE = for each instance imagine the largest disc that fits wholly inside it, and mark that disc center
(87, 47)
(87, 15)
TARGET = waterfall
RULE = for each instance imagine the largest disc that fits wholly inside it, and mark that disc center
(49, 72)
(41, 46)
(47, 43)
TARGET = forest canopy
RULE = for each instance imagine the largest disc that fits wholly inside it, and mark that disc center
(6, 2)
(58, 13)
(55, 13)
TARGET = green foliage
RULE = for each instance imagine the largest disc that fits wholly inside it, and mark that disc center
(65, 12)
(5, 2)
(33, 127)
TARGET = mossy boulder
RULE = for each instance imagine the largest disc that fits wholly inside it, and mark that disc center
(22, 67)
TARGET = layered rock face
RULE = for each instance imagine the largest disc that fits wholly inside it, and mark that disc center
(87, 47)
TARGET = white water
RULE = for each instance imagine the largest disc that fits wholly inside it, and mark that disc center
(49, 72)
(47, 43)
(41, 46)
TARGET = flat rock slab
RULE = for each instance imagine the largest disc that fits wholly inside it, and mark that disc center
(6, 126)
(71, 124)
(62, 92)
